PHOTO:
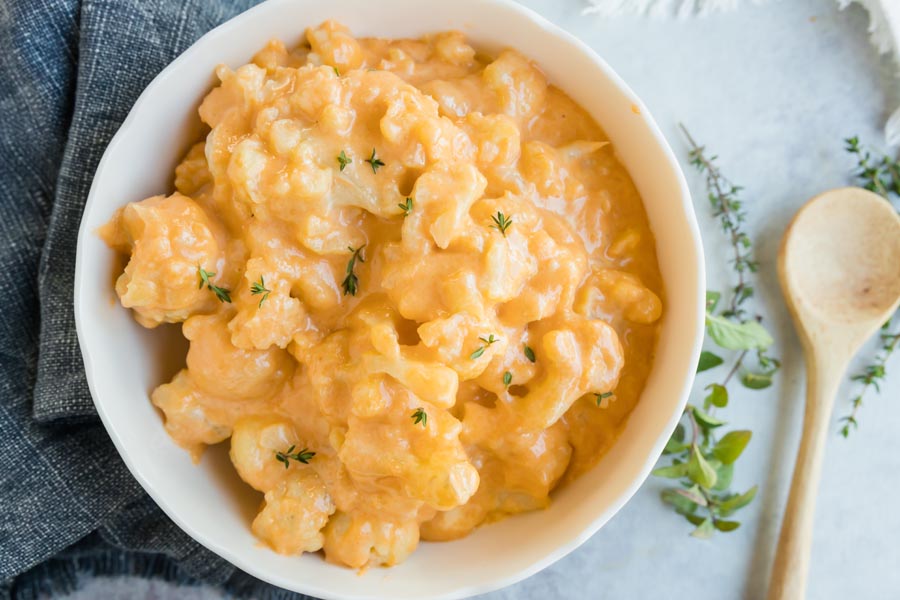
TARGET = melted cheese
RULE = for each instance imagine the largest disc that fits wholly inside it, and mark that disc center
(312, 154)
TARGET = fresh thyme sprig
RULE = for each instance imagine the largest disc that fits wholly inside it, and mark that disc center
(879, 174)
(723, 196)
(303, 456)
(480, 350)
(259, 287)
(420, 416)
(406, 207)
(351, 281)
(375, 162)
(603, 396)
(507, 379)
(701, 462)
(871, 376)
(501, 222)
(221, 293)
(343, 160)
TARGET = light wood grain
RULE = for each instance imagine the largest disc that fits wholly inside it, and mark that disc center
(839, 267)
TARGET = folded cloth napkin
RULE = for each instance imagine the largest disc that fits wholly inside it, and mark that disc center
(70, 70)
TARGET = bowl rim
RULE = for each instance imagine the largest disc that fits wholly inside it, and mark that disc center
(230, 27)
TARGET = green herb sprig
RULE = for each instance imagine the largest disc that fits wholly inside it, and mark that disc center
(872, 375)
(351, 281)
(487, 342)
(501, 222)
(259, 287)
(406, 207)
(303, 456)
(703, 462)
(704, 468)
(221, 293)
(375, 162)
(601, 397)
(343, 160)
(879, 173)
(420, 416)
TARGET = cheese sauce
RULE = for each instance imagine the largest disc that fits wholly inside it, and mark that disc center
(420, 290)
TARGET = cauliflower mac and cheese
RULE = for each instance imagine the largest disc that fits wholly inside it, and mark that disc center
(419, 289)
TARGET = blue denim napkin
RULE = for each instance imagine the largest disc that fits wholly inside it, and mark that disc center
(70, 71)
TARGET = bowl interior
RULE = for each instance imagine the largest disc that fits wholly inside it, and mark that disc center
(124, 362)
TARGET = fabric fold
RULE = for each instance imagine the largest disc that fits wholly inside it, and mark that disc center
(70, 71)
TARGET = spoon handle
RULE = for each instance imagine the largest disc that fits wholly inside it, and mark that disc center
(792, 558)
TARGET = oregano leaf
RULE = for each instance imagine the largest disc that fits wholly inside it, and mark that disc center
(708, 360)
(749, 335)
(732, 444)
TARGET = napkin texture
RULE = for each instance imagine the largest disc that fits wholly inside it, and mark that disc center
(70, 71)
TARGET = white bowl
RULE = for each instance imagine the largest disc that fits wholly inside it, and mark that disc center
(124, 362)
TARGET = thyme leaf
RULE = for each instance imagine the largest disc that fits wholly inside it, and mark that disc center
(351, 281)
(375, 162)
(259, 287)
(303, 456)
(205, 276)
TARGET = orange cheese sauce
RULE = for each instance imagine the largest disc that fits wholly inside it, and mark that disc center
(420, 290)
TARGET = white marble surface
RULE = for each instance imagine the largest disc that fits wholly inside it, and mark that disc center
(773, 90)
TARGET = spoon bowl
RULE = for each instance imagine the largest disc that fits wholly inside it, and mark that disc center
(842, 258)
(839, 268)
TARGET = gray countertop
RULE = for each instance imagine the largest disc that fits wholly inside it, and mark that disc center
(772, 90)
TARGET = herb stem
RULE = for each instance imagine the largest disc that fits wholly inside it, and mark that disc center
(695, 429)
(701, 460)
(737, 365)
(351, 282)
(869, 378)
(716, 181)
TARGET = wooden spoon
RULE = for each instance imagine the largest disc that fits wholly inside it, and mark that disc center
(839, 267)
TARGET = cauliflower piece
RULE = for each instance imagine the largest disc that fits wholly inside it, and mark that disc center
(463, 342)
(267, 314)
(562, 266)
(610, 294)
(578, 356)
(423, 460)
(192, 175)
(255, 442)
(192, 418)
(294, 513)
(333, 45)
(169, 239)
(531, 461)
(225, 371)
(429, 380)
(359, 540)
(520, 88)
(443, 197)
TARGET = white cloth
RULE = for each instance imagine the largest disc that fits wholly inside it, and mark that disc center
(659, 8)
(884, 26)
